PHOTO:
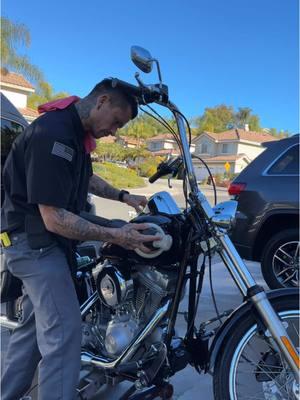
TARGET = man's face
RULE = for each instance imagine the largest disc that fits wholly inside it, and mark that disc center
(106, 119)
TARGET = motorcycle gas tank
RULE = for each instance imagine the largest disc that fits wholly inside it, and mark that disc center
(162, 203)
(171, 225)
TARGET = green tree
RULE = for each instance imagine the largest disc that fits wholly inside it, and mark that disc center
(110, 151)
(149, 166)
(43, 94)
(254, 123)
(220, 118)
(144, 127)
(136, 154)
(215, 119)
(14, 35)
(273, 132)
(279, 134)
(283, 134)
(244, 116)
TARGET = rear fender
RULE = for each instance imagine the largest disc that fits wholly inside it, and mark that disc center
(239, 313)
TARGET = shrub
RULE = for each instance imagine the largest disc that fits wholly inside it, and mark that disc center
(117, 176)
(149, 167)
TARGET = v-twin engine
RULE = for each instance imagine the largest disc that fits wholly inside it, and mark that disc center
(128, 302)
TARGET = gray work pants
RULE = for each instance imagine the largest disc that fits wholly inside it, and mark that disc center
(50, 332)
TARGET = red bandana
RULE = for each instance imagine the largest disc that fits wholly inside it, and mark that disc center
(60, 104)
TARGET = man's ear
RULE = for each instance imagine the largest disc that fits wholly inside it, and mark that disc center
(101, 100)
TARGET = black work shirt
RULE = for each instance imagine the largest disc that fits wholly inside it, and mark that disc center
(47, 165)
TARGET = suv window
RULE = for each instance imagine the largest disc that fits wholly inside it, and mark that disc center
(287, 164)
(9, 131)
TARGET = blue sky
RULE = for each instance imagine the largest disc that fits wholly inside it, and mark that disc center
(243, 53)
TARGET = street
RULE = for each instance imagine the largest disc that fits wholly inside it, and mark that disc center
(187, 383)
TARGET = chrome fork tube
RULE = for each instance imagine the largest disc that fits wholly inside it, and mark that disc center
(235, 264)
(245, 282)
(233, 272)
(277, 330)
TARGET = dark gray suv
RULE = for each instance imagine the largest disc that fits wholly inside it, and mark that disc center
(12, 124)
(267, 226)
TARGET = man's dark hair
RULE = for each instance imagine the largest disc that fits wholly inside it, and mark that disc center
(118, 97)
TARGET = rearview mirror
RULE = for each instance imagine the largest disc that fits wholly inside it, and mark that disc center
(142, 58)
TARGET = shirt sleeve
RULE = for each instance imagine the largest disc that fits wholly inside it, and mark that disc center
(49, 166)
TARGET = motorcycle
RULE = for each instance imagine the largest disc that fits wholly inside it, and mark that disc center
(130, 299)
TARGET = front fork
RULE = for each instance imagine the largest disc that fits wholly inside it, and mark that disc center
(233, 261)
(257, 295)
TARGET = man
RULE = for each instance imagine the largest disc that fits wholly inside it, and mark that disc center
(46, 179)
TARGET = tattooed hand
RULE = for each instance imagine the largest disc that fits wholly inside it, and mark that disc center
(130, 238)
(135, 201)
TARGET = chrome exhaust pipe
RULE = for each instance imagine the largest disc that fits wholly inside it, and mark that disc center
(101, 362)
(8, 323)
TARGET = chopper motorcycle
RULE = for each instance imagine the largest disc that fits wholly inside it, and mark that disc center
(130, 300)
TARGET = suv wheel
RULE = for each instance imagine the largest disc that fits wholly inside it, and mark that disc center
(280, 260)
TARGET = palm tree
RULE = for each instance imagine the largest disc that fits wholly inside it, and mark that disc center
(12, 35)
(243, 115)
(43, 94)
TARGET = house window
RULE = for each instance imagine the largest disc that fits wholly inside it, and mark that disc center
(155, 146)
(225, 148)
(204, 148)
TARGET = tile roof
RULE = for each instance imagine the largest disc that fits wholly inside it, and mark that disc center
(241, 134)
(29, 112)
(224, 158)
(162, 136)
(14, 79)
(108, 139)
(166, 136)
(131, 140)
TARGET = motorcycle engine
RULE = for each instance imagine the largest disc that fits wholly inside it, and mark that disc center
(131, 298)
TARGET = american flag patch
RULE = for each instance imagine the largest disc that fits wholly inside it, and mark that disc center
(61, 150)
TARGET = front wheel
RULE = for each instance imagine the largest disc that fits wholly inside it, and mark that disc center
(250, 367)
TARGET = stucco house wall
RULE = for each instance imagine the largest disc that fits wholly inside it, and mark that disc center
(205, 145)
(160, 145)
(17, 97)
(251, 149)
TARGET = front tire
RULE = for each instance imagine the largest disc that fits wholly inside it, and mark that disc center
(280, 260)
(248, 368)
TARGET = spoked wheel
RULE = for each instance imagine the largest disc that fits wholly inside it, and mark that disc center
(251, 368)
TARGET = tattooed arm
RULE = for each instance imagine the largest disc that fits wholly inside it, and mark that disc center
(71, 226)
(101, 188)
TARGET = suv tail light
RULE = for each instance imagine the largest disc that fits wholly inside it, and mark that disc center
(236, 188)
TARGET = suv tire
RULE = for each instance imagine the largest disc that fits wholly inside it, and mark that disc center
(283, 271)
